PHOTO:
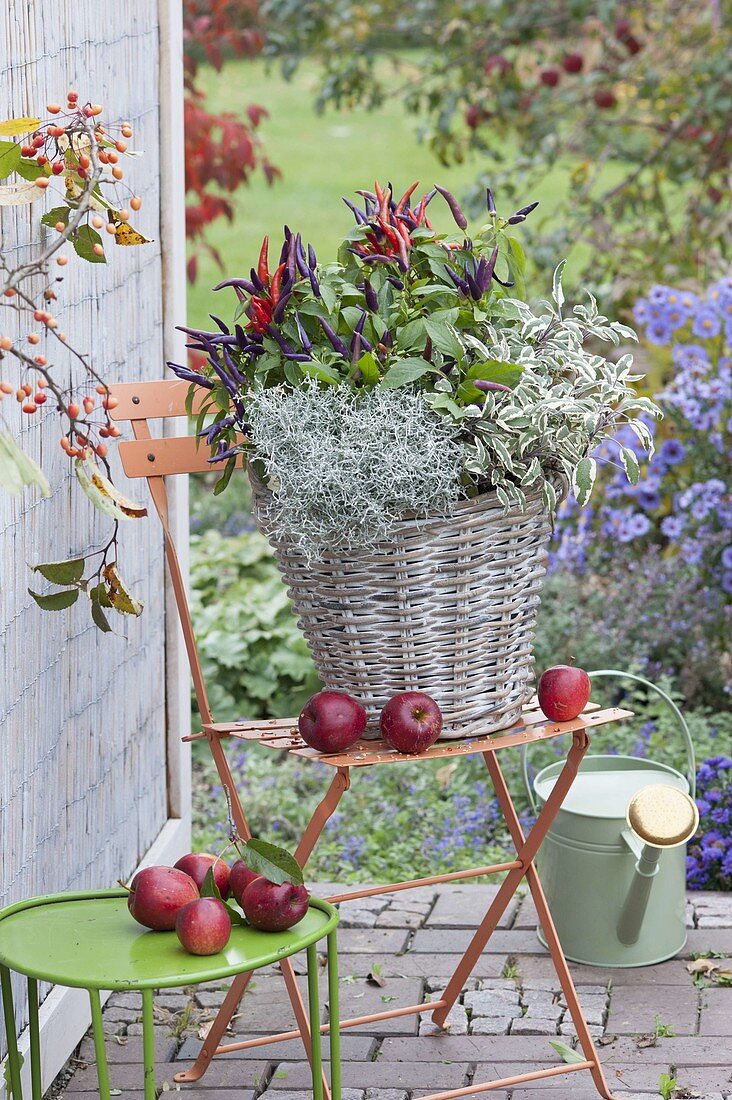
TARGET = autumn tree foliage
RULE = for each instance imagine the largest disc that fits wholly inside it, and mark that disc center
(221, 150)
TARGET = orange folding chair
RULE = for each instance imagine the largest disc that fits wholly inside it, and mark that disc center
(156, 458)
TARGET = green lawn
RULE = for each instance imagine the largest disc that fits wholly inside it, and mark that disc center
(322, 157)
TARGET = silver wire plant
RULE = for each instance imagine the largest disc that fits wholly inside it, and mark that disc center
(345, 466)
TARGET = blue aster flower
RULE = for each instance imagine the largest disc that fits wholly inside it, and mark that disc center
(706, 323)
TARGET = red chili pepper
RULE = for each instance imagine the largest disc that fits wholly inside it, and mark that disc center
(262, 266)
(404, 200)
(277, 284)
(391, 235)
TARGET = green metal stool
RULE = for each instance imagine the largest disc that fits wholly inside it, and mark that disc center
(89, 940)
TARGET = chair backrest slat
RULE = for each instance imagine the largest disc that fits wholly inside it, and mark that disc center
(160, 457)
(150, 400)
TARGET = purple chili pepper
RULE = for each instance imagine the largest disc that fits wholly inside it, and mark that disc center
(460, 220)
(368, 195)
(217, 321)
(356, 347)
(491, 264)
(304, 338)
(300, 258)
(315, 286)
(279, 339)
(475, 292)
(481, 384)
(335, 340)
(222, 454)
(370, 295)
(490, 201)
(480, 275)
(297, 357)
(238, 284)
(216, 429)
(516, 219)
(396, 283)
(312, 260)
(526, 210)
(234, 371)
(279, 310)
(188, 375)
(358, 214)
(429, 196)
(509, 284)
(459, 283)
(257, 282)
(408, 221)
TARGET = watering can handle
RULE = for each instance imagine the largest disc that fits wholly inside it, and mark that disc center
(614, 672)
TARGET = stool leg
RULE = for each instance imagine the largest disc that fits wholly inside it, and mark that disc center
(9, 1014)
(99, 1048)
(35, 1040)
(334, 1016)
(148, 1043)
(316, 1059)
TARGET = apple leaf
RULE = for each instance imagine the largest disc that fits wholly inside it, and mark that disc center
(84, 241)
(58, 214)
(566, 1053)
(209, 889)
(61, 572)
(9, 158)
(56, 601)
(274, 863)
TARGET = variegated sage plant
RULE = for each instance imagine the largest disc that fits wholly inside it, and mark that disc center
(523, 394)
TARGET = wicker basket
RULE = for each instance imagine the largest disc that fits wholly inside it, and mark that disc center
(446, 606)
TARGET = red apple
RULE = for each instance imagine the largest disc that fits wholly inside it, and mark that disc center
(203, 926)
(274, 908)
(157, 894)
(241, 876)
(563, 692)
(196, 864)
(573, 63)
(604, 98)
(331, 721)
(411, 721)
(550, 77)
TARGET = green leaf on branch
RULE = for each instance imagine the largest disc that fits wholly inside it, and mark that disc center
(58, 214)
(629, 461)
(584, 479)
(9, 158)
(369, 368)
(444, 338)
(495, 370)
(404, 372)
(56, 601)
(99, 619)
(61, 572)
(275, 863)
(209, 889)
(30, 169)
(225, 477)
(84, 240)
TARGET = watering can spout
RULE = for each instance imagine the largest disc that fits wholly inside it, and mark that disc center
(659, 817)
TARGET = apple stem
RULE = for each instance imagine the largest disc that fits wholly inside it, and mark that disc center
(124, 885)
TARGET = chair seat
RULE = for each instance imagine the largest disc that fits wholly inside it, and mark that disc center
(89, 940)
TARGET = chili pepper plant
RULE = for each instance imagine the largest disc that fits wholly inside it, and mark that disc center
(410, 323)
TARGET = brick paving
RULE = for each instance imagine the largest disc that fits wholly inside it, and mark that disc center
(399, 950)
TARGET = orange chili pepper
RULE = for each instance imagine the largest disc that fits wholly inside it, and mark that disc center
(262, 266)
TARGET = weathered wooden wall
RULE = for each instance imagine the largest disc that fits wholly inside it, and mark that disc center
(82, 716)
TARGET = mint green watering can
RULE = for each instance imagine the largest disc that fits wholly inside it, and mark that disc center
(613, 864)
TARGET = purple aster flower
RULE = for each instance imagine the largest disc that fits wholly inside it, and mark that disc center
(672, 452)
(639, 524)
(648, 499)
(658, 331)
(672, 527)
(658, 295)
(727, 557)
(727, 581)
(706, 323)
(641, 313)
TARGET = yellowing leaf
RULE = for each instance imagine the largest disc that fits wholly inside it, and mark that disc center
(104, 495)
(125, 234)
(15, 126)
(119, 595)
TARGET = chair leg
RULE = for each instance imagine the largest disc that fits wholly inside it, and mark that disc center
(316, 1055)
(99, 1048)
(526, 851)
(148, 1044)
(550, 932)
(35, 1040)
(301, 1016)
(334, 1018)
(218, 1027)
(9, 1015)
